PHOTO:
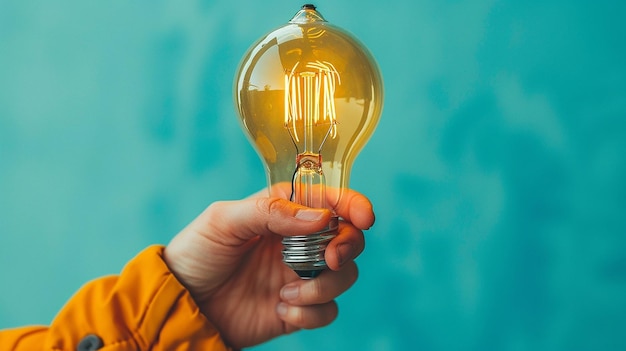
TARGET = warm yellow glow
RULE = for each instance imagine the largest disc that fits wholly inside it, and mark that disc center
(309, 96)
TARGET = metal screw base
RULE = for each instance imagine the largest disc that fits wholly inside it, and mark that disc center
(305, 253)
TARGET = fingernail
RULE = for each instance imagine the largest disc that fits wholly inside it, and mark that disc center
(281, 309)
(344, 252)
(309, 214)
(290, 292)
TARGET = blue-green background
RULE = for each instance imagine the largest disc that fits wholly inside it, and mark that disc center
(498, 171)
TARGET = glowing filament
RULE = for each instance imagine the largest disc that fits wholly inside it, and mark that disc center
(310, 99)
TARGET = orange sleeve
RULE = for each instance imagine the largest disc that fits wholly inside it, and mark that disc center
(144, 308)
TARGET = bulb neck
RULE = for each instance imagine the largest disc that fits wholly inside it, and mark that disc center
(308, 14)
(309, 183)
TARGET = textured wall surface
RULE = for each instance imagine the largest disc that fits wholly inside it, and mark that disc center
(498, 171)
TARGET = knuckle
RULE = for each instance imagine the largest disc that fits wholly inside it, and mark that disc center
(354, 270)
(331, 313)
(271, 209)
(298, 318)
(353, 273)
(214, 210)
(316, 289)
(269, 205)
(311, 317)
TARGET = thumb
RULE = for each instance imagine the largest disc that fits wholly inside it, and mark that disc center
(236, 222)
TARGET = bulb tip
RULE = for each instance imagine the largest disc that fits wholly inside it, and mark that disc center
(308, 14)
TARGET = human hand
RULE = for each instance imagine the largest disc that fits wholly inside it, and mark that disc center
(229, 258)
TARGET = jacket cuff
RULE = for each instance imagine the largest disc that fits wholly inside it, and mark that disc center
(144, 308)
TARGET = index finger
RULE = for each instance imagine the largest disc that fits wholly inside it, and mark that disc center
(355, 208)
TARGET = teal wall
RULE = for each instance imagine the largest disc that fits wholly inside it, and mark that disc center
(498, 171)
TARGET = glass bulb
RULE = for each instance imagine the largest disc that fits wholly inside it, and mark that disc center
(309, 96)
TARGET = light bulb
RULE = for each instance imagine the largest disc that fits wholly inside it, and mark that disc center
(309, 96)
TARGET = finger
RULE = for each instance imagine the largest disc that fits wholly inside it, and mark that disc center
(355, 208)
(323, 289)
(307, 317)
(235, 222)
(349, 204)
(345, 247)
